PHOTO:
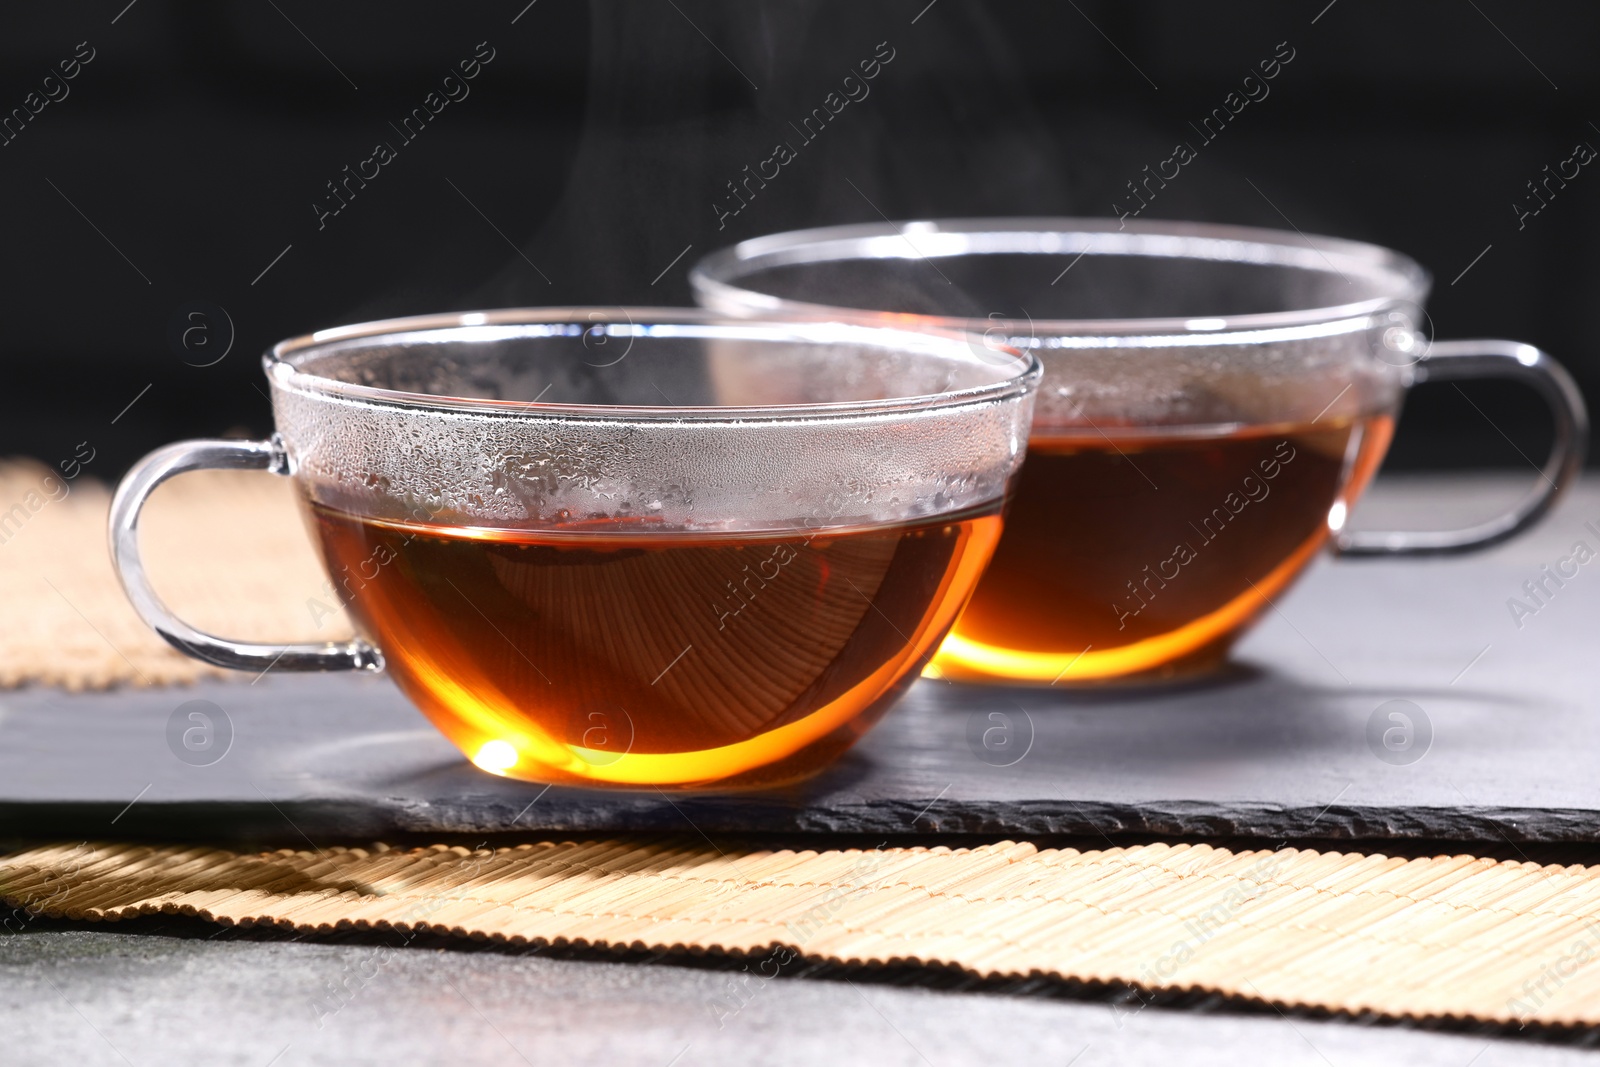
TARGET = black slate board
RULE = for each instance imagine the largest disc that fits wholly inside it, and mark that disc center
(1278, 748)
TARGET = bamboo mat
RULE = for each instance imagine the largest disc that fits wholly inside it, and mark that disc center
(226, 549)
(1449, 936)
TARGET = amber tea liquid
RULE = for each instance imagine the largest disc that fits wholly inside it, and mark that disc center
(638, 657)
(1127, 554)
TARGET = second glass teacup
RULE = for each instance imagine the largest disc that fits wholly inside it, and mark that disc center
(1215, 399)
(630, 548)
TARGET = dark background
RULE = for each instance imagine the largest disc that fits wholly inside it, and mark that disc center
(592, 148)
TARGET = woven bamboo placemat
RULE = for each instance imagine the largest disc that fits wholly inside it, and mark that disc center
(226, 549)
(1448, 936)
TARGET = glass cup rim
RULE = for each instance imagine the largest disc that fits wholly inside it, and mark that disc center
(281, 362)
(716, 277)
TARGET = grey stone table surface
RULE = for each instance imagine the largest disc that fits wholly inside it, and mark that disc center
(114, 999)
(1504, 741)
(90, 997)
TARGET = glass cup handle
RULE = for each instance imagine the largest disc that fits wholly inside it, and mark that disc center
(1456, 360)
(131, 495)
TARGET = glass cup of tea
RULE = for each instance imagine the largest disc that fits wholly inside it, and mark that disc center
(1215, 399)
(631, 548)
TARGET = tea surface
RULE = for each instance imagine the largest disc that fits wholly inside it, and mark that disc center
(1125, 554)
(640, 657)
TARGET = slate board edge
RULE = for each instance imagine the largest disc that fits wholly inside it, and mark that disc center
(317, 823)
